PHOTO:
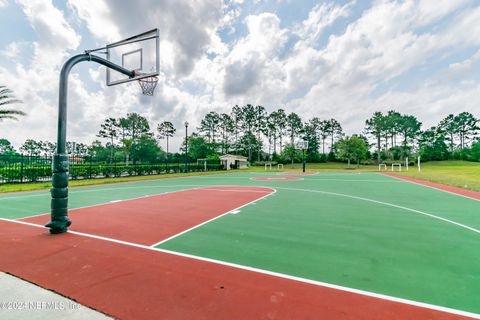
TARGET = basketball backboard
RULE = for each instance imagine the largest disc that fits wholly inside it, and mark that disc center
(139, 53)
(301, 145)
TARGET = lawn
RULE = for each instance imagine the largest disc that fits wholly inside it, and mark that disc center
(460, 174)
(329, 166)
(13, 187)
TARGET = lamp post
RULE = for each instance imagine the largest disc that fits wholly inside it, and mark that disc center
(186, 145)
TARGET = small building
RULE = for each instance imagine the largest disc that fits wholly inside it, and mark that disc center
(231, 161)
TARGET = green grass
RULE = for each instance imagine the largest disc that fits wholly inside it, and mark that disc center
(460, 174)
(329, 166)
(13, 187)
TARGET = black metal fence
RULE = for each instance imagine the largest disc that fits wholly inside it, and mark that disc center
(25, 168)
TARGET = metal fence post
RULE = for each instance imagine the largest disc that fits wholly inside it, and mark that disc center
(90, 167)
(21, 168)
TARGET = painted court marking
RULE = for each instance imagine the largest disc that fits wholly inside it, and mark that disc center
(147, 220)
(386, 204)
(106, 203)
(426, 184)
(306, 173)
(276, 178)
(459, 312)
(271, 273)
(98, 189)
(233, 211)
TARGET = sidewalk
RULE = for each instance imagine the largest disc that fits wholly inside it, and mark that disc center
(20, 300)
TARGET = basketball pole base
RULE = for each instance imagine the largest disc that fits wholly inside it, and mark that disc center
(59, 202)
(57, 227)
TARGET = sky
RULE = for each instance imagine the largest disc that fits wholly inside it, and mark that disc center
(328, 59)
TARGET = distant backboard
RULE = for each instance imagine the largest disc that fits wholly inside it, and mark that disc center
(301, 145)
(139, 53)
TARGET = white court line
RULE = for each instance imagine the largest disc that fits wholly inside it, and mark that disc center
(195, 187)
(356, 180)
(237, 209)
(276, 179)
(233, 190)
(106, 203)
(272, 273)
(431, 187)
(74, 191)
(324, 174)
(273, 177)
(386, 204)
(108, 186)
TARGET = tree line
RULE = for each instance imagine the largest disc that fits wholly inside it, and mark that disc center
(129, 137)
(251, 131)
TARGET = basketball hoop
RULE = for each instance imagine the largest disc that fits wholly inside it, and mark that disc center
(301, 145)
(148, 85)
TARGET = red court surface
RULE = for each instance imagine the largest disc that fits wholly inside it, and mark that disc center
(276, 178)
(460, 191)
(149, 220)
(301, 173)
(129, 282)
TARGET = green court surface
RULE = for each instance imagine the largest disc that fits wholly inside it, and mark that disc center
(362, 231)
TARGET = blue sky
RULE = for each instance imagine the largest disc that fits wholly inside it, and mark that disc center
(341, 59)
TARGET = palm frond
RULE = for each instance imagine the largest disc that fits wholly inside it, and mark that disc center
(12, 112)
(11, 101)
(7, 97)
(7, 117)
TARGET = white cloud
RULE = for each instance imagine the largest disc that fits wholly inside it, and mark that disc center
(408, 55)
(380, 46)
(320, 17)
(15, 50)
(252, 61)
(37, 83)
(98, 18)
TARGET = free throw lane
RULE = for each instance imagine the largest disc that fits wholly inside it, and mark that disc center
(149, 220)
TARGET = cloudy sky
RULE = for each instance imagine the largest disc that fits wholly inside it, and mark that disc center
(341, 59)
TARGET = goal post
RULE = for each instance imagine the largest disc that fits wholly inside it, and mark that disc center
(204, 161)
(269, 165)
(382, 166)
(398, 165)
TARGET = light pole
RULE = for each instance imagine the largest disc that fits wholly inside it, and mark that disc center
(186, 145)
